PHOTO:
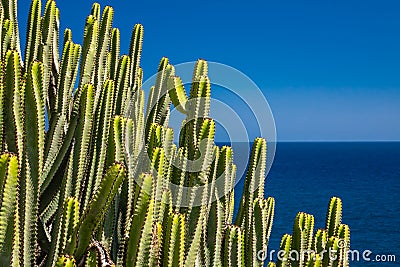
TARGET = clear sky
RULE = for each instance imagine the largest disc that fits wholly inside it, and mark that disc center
(329, 69)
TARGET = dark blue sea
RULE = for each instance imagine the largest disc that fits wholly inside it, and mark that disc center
(366, 176)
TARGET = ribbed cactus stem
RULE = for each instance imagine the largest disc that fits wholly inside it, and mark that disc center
(343, 233)
(96, 209)
(135, 51)
(233, 247)
(89, 50)
(138, 245)
(302, 237)
(285, 247)
(320, 240)
(177, 93)
(174, 242)
(334, 215)
(254, 180)
(9, 228)
(34, 29)
(262, 225)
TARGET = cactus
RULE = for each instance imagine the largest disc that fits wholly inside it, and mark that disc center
(284, 260)
(304, 248)
(174, 243)
(262, 225)
(9, 215)
(105, 184)
(233, 247)
(65, 261)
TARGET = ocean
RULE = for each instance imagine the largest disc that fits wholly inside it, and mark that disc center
(365, 175)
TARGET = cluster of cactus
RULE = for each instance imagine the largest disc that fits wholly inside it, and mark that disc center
(327, 247)
(89, 178)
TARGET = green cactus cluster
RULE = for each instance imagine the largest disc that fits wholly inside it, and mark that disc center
(326, 247)
(88, 177)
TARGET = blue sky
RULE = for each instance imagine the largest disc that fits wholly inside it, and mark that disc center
(329, 69)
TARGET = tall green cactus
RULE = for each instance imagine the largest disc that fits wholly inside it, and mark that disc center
(105, 184)
(285, 248)
(233, 247)
(174, 244)
(253, 190)
(142, 219)
(9, 215)
(261, 226)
